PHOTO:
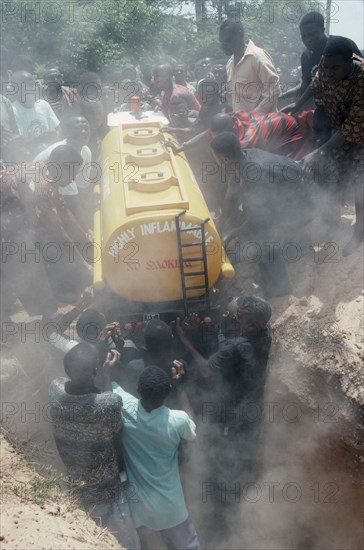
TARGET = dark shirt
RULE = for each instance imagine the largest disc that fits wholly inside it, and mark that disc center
(274, 199)
(311, 60)
(84, 427)
(242, 364)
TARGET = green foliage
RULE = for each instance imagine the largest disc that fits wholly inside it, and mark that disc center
(38, 490)
(101, 35)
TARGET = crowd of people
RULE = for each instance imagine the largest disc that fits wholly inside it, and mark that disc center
(125, 411)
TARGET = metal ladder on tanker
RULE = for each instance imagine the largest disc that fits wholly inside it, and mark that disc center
(203, 301)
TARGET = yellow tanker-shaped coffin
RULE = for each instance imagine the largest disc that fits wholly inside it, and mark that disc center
(144, 187)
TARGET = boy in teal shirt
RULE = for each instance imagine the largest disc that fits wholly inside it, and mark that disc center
(151, 437)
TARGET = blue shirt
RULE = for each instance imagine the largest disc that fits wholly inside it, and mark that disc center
(150, 444)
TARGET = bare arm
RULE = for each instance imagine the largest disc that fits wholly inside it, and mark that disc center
(292, 92)
(112, 358)
(201, 362)
(336, 140)
(228, 203)
(300, 103)
(178, 373)
(193, 141)
(310, 161)
(187, 144)
(235, 233)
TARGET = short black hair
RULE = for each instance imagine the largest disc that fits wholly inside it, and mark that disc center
(88, 78)
(227, 144)
(23, 76)
(163, 67)
(176, 63)
(86, 105)
(158, 336)
(313, 18)
(222, 122)
(51, 70)
(80, 363)
(90, 324)
(234, 27)
(69, 118)
(338, 45)
(65, 153)
(154, 384)
(207, 86)
(257, 309)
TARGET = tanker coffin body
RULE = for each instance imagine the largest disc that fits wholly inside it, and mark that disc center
(144, 187)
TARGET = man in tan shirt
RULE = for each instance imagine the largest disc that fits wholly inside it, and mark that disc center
(252, 76)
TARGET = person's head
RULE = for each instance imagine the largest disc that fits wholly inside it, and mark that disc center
(22, 62)
(76, 130)
(180, 73)
(26, 91)
(108, 98)
(202, 68)
(231, 37)
(63, 165)
(53, 77)
(89, 86)
(128, 72)
(253, 313)
(337, 59)
(158, 336)
(90, 325)
(80, 365)
(163, 77)
(208, 93)
(93, 111)
(226, 150)
(146, 69)
(312, 28)
(219, 72)
(178, 112)
(222, 122)
(154, 385)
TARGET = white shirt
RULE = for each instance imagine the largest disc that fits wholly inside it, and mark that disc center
(82, 180)
(34, 121)
(253, 82)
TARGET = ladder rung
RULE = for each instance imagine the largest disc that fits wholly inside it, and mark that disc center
(196, 228)
(192, 259)
(197, 287)
(190, 244)
(192, 273)
(197, 300)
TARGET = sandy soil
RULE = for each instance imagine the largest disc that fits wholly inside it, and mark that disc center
(35, 514)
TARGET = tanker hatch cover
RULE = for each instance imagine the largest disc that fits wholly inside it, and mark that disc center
(157, 183)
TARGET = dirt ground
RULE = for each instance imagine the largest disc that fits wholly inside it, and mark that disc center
(35, 513)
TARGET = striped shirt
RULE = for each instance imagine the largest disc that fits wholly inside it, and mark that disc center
(279, 133)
